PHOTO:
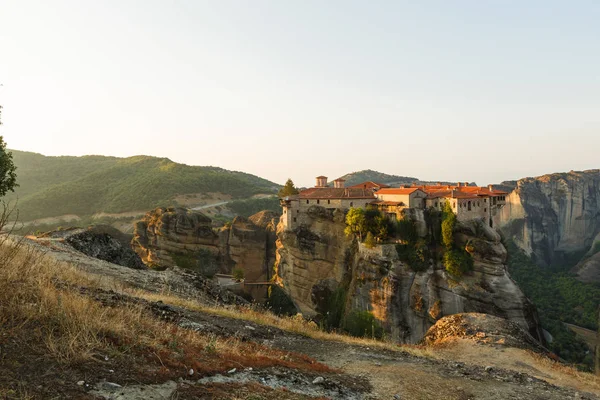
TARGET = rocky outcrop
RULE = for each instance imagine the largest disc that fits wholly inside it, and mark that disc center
(166, 237)
(316, 260)
(102, 242)
(554, 215)
(482, 329)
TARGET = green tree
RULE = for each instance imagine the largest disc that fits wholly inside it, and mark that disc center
(457, 262)
(448, 224)
(288, 189)
(8, 176)
(356, 223)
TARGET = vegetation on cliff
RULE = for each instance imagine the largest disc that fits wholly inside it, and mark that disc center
(362, 222)
(456, 259)
(560, 298)
(289, 189)
(53, 186)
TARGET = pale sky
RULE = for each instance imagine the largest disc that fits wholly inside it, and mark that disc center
(477, 90)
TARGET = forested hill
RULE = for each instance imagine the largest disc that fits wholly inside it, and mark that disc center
(357, 177)
(54, 186)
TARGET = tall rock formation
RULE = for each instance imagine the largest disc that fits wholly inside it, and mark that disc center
(176, 236)
(554, 215)
(315, 261)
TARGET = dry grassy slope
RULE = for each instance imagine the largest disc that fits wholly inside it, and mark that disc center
(75, 319)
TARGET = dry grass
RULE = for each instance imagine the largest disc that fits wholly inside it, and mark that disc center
(37, 300)
(296, 324)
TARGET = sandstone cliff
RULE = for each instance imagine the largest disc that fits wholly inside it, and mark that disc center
(166, 237)
(315, 260)
(553, 215)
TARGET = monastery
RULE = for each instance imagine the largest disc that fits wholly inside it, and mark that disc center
(467, 202)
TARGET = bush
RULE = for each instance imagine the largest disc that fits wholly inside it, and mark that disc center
(457, 262)
(415, 255)
(279, 302)
(448, 224)
(370, 241)
(406, 230)
(363, 324)
(238, 274)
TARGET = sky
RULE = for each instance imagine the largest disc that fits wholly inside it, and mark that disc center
(479, 90)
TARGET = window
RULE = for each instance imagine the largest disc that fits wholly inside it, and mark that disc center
(454, 204)
(284, 211)
(469, 206)
(318, 201)
(328, 201)
(436, 203)
(485, 200)
(307, 201)
(297, 211)
(351, 204)
(485, 210)
(294, 219)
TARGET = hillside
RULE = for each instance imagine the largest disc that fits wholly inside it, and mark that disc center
(144, 334)
(54, 186)
(357, 177)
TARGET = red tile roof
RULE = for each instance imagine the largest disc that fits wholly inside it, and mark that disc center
(370, 185)
(335, 193)
(387, 203)
(410, 190)
(460, 192)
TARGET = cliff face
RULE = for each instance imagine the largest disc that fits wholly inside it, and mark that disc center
(553, 215)
(316, 259)
(176, 236)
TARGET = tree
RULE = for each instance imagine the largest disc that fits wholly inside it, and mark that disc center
(457, 262)
(288, 189)
(355, 222)
(8, 176)
(448, 224)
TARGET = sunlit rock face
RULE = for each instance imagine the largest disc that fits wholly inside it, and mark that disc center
(166, 237)
(554, 215)
(316, 259)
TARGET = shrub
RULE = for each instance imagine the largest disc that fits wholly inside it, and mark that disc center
(457, 262)
(363, 324)
(370, 241)
(415, 255)
(238, 274)
(279, 302)
(448, 224)
(406, 230)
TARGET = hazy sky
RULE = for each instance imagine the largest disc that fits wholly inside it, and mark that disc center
(476, 90)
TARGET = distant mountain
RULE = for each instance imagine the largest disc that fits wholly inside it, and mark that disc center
(54, 186)
(355, 178)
